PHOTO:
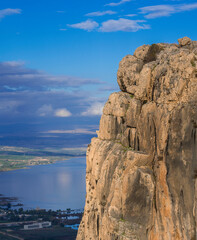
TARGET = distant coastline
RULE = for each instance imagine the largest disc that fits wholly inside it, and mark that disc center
(14, 158)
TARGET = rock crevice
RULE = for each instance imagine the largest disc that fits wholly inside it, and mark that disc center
(142, 168)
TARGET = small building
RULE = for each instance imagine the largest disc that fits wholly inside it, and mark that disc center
(37, 225)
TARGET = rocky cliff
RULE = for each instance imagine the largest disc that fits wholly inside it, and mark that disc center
(142, 169)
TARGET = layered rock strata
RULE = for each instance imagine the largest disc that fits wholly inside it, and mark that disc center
(141, 175)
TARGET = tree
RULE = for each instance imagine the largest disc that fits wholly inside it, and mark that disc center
(9, 205)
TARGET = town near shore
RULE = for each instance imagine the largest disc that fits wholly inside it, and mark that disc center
(35, 224)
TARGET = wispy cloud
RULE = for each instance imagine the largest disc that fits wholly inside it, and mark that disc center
(63, 29)
(8, 106)
(117, 3)
(14, 63)
(157, 11)
(98, 14)
(124, 25)
(187, 7)
(45, 110)
(62, 113)
(15, 76)
(109, 88)
(94, 110)
(166, 10)
(88, 25)
(9, 11)
(131, 15)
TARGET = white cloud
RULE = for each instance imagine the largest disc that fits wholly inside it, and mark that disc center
(63, 112)
(88, 25)
(9, 11)
(97, 14)
(124, 25)
(63, 29)
(74, 131)
(118, 3)
(166, 10)
(47, 110)
(94, 110)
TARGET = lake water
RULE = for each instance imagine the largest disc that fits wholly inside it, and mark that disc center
(57, 186)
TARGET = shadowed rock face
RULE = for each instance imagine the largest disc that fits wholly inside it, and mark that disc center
(142, 169)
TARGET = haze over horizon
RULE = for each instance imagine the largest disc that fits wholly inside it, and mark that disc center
(59, 59)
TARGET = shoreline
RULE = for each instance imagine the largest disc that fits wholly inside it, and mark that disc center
(44, 164)
(61, 173)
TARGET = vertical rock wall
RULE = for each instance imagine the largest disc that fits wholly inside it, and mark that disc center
(142, 169)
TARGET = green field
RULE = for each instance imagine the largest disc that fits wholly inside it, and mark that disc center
(12, 158)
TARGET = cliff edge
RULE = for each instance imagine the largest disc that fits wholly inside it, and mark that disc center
(141, 176)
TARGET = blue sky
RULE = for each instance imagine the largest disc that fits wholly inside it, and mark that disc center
(59, 59)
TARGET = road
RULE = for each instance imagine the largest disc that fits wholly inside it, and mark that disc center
(14, 223)
(10, 235)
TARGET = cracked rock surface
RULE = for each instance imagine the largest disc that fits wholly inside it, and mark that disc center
(141, 176)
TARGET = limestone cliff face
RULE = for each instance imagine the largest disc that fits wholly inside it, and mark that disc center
(142, 169)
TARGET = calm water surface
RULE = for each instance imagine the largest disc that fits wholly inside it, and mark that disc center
(56, 186)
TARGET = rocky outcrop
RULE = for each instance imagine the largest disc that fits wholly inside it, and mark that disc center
(142, 169)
